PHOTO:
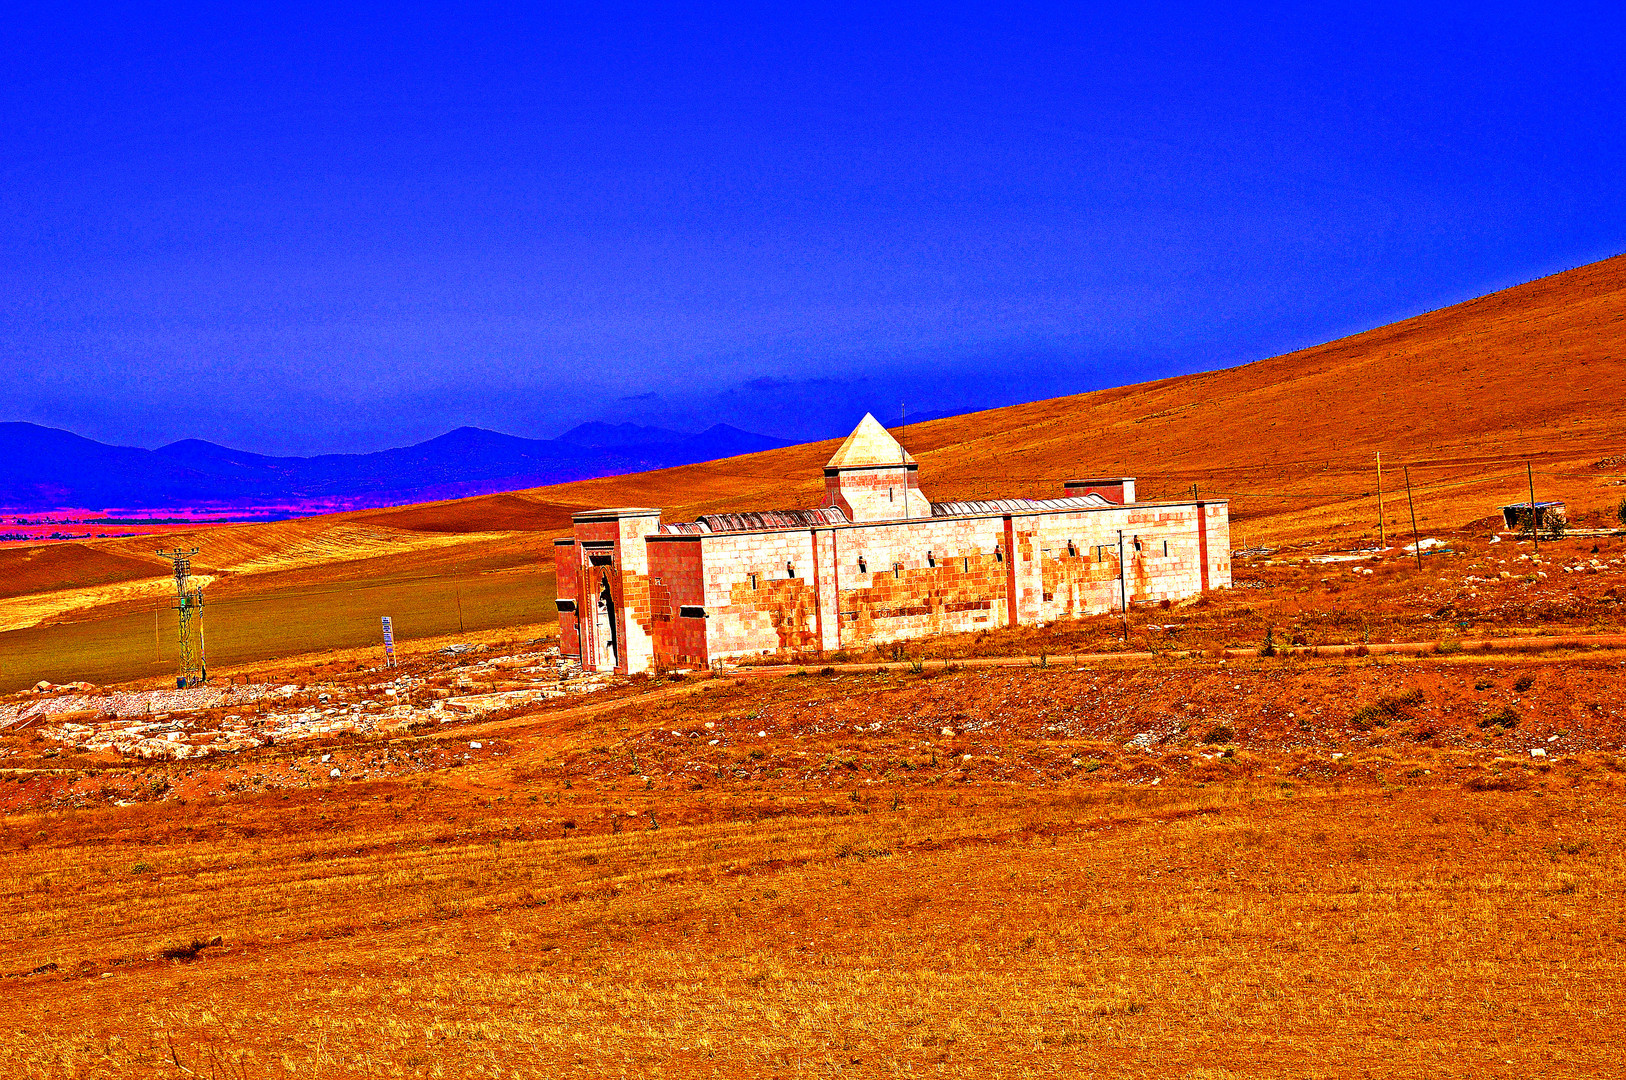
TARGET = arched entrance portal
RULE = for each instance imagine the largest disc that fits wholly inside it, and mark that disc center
(608, 653)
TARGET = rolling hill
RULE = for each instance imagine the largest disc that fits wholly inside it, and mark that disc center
(1457, 400)
(1463, 397)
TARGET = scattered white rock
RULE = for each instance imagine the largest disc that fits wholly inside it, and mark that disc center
(762, 734)
(476, 746)
(1538, 752)
(334, 773)
(948, 731)
(1337, 757)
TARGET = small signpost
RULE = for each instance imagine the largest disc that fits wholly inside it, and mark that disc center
(389, 643)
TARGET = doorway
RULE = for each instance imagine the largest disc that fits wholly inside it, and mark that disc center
(609, 655)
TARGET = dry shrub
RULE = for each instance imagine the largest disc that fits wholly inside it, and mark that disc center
(1387, 709)
(188, 951)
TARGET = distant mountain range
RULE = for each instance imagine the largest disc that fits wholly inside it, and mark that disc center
(47, 469)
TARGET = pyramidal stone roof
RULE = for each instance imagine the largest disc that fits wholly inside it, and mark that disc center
(869, 444)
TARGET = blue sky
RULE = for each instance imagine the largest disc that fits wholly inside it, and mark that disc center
(306, 231)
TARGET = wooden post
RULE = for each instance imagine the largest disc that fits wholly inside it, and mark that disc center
(1530, 477)
(1416, 541)
(1383, 535)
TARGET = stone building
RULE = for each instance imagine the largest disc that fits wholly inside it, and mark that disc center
(875, 562)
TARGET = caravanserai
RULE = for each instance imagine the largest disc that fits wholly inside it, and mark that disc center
(875, 562)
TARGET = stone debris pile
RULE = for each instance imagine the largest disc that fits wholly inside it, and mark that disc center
(208, 720)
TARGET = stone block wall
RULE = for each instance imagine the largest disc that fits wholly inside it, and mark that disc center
(567, 581)
(759, 593)
(1217, 544)
(676, 582)
(1078, 554)
(911, 579)
(852, 587)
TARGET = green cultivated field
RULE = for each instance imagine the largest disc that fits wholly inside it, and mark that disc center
(248, 624)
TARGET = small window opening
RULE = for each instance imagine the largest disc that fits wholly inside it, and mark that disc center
(1165, 549)
(931, 559)
(689, 612)
(863, 567)
(897, 570)
(889, 495)
(1137, 543)
(1072, 549)
(753, 581)
(965, 564)
(790, 569)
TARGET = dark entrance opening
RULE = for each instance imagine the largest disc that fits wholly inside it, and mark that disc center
(609, 654)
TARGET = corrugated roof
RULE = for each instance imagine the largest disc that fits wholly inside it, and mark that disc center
(1020, 506)
(757, 521)
(869, 444)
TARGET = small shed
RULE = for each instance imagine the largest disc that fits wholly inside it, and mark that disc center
(1544, 511)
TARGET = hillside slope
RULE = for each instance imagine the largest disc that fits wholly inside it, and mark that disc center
(1464, 396)
(1461, 398)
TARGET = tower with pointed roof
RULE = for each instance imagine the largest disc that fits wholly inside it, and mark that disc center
(872, 478)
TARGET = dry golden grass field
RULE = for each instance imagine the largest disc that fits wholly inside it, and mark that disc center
(1289, 865)
(1348, 818)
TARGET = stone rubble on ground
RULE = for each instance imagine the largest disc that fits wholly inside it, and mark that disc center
(175, 724)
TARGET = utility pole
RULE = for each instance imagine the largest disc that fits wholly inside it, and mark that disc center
(1383, 535)
(1123, 586)
(1530, 477)
(1416, 542)
(194, 669)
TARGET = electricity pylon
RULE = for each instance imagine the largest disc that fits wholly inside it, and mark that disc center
(194, 669)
